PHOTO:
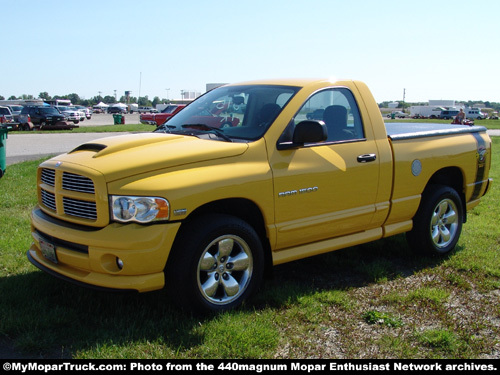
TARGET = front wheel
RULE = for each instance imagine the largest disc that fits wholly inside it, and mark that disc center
(217, 263)
(437, 225)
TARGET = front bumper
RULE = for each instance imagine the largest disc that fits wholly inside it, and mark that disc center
(89, 256)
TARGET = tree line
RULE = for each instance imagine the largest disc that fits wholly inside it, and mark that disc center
(108, 99)
(146, 102)
(469, 103)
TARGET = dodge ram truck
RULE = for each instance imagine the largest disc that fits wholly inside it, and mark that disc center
(205, 211)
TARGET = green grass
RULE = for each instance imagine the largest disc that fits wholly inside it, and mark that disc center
(377, 300)
(102, 129)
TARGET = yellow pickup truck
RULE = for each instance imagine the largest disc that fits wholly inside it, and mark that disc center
(249, 176)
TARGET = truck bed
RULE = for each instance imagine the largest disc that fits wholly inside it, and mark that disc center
(400, 131)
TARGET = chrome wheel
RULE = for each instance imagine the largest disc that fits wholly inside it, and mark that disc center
(225, 269)
(437, 224)
(444, 223)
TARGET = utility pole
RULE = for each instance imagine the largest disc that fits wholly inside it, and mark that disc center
(403, 105)
(140, 81)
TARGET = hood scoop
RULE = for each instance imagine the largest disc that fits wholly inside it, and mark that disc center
(96, 147)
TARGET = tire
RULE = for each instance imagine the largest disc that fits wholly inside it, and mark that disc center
(217, 263)
(437, 225)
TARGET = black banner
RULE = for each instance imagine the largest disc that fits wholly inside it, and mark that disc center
(247, 366)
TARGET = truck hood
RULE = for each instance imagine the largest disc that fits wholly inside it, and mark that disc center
(127, 155)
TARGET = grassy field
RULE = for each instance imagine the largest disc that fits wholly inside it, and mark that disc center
(102, 129)
(373, 301)
(489, 124)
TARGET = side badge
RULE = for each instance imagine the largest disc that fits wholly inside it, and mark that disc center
(58, 164)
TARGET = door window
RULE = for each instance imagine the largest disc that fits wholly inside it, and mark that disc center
(338, 109)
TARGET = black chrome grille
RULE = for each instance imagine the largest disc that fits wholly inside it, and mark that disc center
(73, 202)
(48, 176)
(79, 208)
(76, 182)
(48, 199)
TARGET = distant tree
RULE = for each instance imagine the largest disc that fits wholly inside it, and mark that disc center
(44, 95)
(75, 99)
(12, 97)
(1, 97)
(144, 101)
(109, 99)
(131, 99)
(156, 101)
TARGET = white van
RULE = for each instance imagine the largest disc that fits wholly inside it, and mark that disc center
(475, 113)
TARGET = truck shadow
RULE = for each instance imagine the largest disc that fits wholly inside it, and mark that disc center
(44, 317)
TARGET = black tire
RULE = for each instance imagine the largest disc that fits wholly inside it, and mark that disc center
(437, 225)
(217, 263)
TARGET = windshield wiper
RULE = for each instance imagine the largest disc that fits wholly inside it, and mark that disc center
(204, 127)
(165, 128)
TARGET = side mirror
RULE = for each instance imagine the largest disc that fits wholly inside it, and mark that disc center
(308, 131)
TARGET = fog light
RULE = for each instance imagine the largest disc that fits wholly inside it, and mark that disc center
(119, 263)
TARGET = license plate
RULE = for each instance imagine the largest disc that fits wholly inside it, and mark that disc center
(48, 250)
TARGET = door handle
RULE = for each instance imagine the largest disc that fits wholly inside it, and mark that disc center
(366, 158)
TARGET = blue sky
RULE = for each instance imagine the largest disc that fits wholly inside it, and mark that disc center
(429, 49)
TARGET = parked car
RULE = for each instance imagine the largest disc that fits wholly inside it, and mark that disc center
(160, 118)
(44, 117)
(398, 114)
(316, 114)
(448, 114)
(6, 116)
(87, 112)
(146, 109)
(70, 113)
(81, 112)
(117, 109)
(16, 111)
(475, 113)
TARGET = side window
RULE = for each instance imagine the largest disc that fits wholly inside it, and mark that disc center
(338, 109)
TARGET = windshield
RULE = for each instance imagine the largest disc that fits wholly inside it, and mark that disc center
(169, 109)
(232, 112)
(49, 110)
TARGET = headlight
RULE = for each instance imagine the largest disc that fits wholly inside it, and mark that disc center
(139, 209)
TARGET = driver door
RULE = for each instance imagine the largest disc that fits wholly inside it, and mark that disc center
(326, 190)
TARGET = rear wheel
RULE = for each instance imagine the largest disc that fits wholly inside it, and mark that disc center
(438, 222)
(217, 263)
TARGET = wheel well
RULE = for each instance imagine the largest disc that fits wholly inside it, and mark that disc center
(245, 210)
(452, 177)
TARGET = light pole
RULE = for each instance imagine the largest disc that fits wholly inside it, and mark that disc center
(403, 105)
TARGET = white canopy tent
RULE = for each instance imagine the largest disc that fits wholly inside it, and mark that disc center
(101, 105)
